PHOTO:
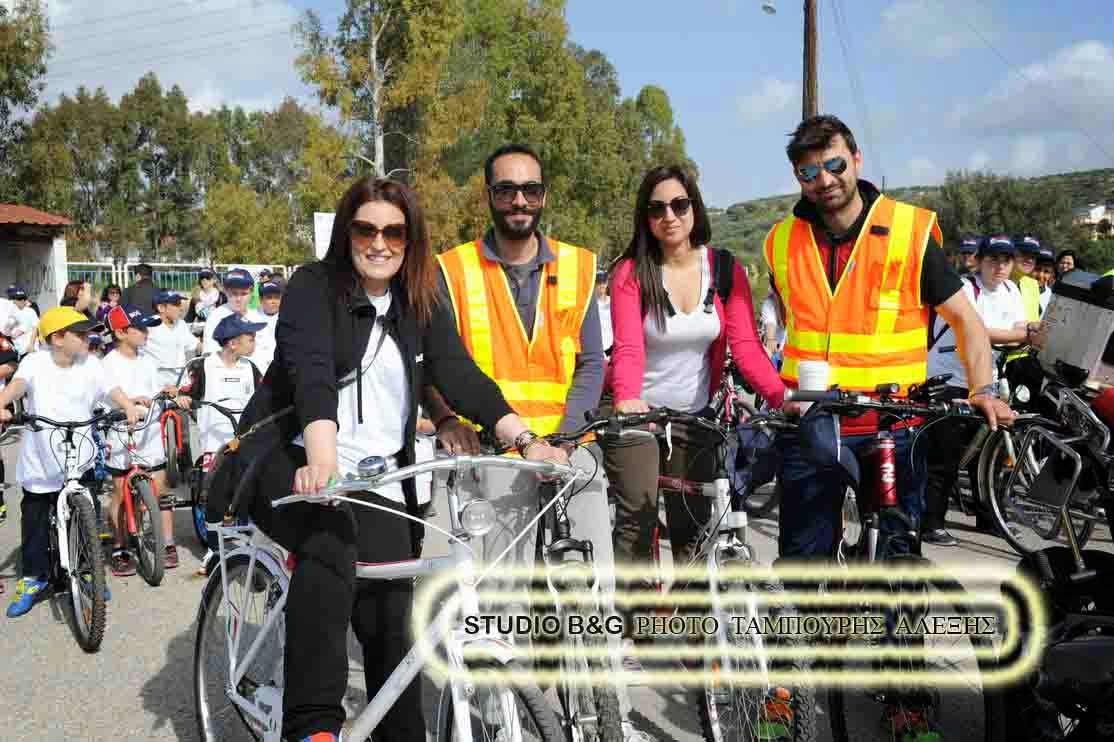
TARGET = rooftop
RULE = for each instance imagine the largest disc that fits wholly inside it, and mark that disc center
(16, 214)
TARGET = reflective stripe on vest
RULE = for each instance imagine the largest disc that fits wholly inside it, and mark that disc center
(1031, 301)
(872, 328)
(533, 372)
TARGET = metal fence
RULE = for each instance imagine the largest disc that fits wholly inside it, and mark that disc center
(181, 277)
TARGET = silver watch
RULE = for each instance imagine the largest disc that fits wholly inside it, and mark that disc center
(990, 390)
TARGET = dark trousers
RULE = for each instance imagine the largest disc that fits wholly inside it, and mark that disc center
(324, 599)
(812, 500)
(35, 529)
(945, 442)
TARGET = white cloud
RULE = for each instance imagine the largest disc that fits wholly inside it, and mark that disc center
(1075, 87)
(926, 28)
(239, 52)
(772, 97)
(979, 160)
(924, 171)
(1028, 154)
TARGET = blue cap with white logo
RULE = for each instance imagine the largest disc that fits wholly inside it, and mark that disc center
(15, 291)
(167, 297)
(233, 326)
(238, 278)
(998, 244)
(1028, 245)
(969, 246)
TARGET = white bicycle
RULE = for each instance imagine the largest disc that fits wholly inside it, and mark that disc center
(238, 657)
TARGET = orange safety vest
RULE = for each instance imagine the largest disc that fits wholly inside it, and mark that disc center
(534, 372)
(872, 329)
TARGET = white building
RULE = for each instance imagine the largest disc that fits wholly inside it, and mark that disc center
(1096, 216)
(33, 252)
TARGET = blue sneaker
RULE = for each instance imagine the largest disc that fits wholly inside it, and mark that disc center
(27, 593)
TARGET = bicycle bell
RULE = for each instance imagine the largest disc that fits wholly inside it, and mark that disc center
(372, 466)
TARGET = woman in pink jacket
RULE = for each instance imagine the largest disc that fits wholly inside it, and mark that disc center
(672, 332)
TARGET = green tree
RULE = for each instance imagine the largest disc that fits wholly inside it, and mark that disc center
(24, 48)
(239, 225)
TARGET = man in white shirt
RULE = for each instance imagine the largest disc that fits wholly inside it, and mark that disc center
(21, 324)
(238, 284)
(170, 342)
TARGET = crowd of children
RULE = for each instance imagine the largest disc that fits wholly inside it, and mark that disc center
(65, 365)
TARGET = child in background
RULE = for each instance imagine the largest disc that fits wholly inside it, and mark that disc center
(270, 301)
(9, 362)
(23, 329)
(136, 374)
(64, 383)
(170, 341)
(229, 379)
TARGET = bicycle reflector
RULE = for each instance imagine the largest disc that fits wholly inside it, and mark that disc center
(478, 517)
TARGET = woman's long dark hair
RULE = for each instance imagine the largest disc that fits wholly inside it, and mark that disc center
(417, 277)
(644, 248)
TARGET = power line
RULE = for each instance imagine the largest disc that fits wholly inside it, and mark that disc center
(178, 55)
(119, 16)
(855, 81)
(162, 44)
(67, 39)
(1021, 73)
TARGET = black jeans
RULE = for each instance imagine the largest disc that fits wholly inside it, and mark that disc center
(35, 512)
(324, 598)
(944, 442)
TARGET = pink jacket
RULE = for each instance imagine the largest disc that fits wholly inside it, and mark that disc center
(628, 355)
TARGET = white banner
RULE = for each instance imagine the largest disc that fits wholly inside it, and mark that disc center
(322, 231)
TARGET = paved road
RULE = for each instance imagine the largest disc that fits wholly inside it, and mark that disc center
(139, 685)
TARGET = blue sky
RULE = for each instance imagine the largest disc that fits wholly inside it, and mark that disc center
(937, 96)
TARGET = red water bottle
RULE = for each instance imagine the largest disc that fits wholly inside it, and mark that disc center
(881, 458)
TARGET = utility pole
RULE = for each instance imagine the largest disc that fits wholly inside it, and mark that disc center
(809, 96)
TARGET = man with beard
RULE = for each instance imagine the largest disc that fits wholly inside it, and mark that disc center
(526, 309)
(858, 275)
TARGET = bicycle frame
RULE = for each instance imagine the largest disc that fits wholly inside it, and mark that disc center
(257, 547)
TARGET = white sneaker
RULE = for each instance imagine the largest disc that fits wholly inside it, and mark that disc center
(630, 734)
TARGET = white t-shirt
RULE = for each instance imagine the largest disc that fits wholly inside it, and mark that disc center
(769, 317)
(136, 377)
(606, 333)
(212, 346)
(265, 343)
(25, 321)
(678, 373)
(386, 399)
(167, 347)
(1000, 309)
(228, 387)
(206, 302)
(1046, 297)
(62, 394)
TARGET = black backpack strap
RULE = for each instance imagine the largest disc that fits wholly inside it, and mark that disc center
(723, 278)
(933, 339)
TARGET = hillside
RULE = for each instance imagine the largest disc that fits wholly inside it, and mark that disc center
(742, 226)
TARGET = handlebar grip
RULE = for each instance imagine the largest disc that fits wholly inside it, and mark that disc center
(801, 395)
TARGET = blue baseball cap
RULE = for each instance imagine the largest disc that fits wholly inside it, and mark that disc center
(167, 297)
(1046, 255)
(998, 244)
(271, 287)
(233, 326)
(129, 315)
(206, 273)
(15, 291)
(969, 246)
(238, 278)
(1028, 245)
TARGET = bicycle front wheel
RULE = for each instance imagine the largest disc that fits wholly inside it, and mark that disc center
(87, 580)
(509, 713)
(149, 536)
(225, 619)
(171, 443)
(952, 708)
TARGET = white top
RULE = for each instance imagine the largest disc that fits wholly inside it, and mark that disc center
(206, 302)
(228, 387)
(25, 322)
(386, 405)
(212, 346)
(1046, 297)
(1000, 309)
(425, 449)
(265, 343)
(167, 348)
(7, 315)
(62, 394)
(769, 317)
(136, 377)
(678, 373)
(606, 334)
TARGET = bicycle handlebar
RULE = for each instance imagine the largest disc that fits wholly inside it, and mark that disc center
(853, 402)
(30, 421)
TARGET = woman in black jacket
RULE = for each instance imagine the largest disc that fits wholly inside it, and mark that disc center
(359, 335)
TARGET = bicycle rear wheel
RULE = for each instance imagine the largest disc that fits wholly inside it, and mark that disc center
(509, 713)
(150, 539)
(242, 612)
(197, 502)
(171, 444)
(953, 709)
(87, 580)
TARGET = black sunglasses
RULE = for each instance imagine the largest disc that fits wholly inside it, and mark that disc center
(679, 206)
(393, 234)
(809, 173)
(505, 193)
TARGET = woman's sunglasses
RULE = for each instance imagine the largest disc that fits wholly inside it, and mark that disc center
(394, 235)
(809, 173)
(505, 193)
(679, 206)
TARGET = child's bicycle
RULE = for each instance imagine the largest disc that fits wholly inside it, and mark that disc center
(200, 469)
(76, 557)
(174, 426)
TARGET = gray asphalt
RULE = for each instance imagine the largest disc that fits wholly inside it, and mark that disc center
(138, 686)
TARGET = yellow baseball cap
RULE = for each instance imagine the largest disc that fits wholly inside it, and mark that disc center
(57, 319)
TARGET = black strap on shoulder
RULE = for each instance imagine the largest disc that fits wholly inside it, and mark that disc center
(723, 278)
(933, 339)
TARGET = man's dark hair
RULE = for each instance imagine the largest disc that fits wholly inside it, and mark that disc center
(817, 133)
(144, 271)
(510, 149)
